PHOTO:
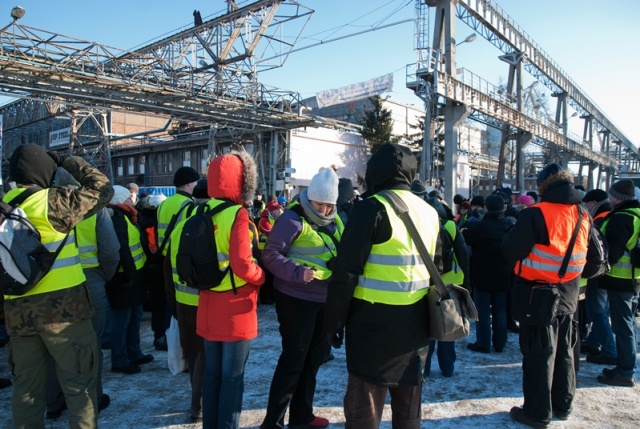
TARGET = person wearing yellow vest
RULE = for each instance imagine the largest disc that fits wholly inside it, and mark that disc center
(378, 292)
(267, 219)
(185, 301)
(538, 243)
(457, 273)
(621, 229)
(179, 205)
(227, 319)
(127, 290)
(299, 252)
(600, 342)
(54, 318)
(98, 248)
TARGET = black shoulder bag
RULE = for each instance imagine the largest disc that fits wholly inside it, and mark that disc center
(450, 306)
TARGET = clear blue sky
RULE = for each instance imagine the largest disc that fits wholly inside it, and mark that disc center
(594, 42)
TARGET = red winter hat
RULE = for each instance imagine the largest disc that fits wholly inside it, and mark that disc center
(273, 206)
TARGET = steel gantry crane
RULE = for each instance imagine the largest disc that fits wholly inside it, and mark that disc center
(457, 93)
(207, 74)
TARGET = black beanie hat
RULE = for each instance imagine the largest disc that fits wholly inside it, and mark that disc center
(200, 191)
(418, 188)
(30, 164)
(547, 172)
(623, 190)
(596, 195)
(478, 200)
(184, 175)
(494, 203)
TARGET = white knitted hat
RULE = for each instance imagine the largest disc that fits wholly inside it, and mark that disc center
(324, 187)
(120, 194)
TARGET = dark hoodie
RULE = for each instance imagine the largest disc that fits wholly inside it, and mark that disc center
(386, 344)
(531, 229)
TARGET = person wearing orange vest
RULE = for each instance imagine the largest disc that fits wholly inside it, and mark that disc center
(538, 243)
(599, 344)
(621, 229)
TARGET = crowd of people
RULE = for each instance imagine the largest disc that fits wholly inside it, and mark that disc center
(339, 267)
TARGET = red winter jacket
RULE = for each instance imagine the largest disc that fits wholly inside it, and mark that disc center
(225, 316)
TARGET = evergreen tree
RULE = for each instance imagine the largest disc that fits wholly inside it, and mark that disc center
(376, 124)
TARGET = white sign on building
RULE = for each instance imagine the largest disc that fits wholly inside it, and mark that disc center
(59, 137)
(357, 91)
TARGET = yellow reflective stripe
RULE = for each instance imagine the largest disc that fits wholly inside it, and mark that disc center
(394, 259)
(88, 248)
(65, 262)
(387, 297)
(301, 251)
(392, 286)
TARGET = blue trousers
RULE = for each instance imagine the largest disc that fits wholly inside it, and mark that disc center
(223, 385)
(125, 335)
(597, 305)
(492, 318)
(446, 357)
(623, 309)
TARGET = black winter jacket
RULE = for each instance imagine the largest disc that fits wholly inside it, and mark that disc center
(490, 269)
(386, 344)
(618, 231)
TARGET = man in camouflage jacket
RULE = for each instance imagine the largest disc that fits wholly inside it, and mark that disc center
(54, 318)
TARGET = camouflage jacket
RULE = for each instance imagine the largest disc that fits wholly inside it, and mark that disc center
(67, 207)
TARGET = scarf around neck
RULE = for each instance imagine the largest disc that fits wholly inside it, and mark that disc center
(313, 215)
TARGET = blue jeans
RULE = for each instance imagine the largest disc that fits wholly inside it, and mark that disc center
(125, 335)
(492, 313)
(223, 383)
(446, 357)
(601, 335)
(623, 307)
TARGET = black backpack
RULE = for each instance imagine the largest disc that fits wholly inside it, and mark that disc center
(448, 253)
(197, 255)
(25, 260)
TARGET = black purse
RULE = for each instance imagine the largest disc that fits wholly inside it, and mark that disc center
(537, 303)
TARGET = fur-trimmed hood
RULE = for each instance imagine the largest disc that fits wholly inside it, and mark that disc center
(233, 176)
(563, 176)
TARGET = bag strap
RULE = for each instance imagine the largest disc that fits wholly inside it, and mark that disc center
(21, 198)
(403, 213)
(574, 236)
(172, 224)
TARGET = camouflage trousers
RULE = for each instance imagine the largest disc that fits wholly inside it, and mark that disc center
(56, 324)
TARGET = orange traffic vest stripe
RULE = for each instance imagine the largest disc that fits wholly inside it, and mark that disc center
(544, 261)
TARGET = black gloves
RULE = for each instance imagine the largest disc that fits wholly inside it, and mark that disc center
(58, 159)
(335, 338)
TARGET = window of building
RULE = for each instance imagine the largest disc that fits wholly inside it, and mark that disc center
(204, 159)
(186, 160)
(120, 167)
(131, 167)
(141, 162)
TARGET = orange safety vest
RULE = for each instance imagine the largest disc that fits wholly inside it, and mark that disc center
(544, 261)
(601, 215)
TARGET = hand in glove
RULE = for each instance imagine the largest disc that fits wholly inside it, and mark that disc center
(336, 338)
(58, 159)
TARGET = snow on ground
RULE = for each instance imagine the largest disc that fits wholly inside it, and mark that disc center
(480, 394)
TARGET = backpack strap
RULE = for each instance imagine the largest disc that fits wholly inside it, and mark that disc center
(210, 214)
(172, 224)
(20, 198)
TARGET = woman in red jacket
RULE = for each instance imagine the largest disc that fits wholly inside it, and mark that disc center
(227, 318)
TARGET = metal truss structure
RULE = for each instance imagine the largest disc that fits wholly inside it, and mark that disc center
(435, 78)
(203, 75)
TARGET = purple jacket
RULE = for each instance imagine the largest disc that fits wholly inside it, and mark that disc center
(289, 274)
